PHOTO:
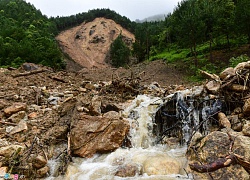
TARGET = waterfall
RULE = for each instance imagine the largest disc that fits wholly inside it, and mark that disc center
(149, 160)
(140, 115)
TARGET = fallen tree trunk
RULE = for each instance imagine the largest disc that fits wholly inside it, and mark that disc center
(220, 163)
(29, 73)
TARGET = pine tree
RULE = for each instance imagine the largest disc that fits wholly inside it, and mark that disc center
(119, 52)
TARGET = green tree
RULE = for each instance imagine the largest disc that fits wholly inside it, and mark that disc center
(242, 17)
(225, 13)
(188, 26)
(119, 52)
(26, 36)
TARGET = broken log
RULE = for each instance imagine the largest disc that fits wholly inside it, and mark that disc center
(220, 163)
(210, 76)
(233, 79)
(56, 78)
(8, 123)
(29, 73)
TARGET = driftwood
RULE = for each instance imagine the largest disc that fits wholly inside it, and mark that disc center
(220, 163)
(210, 76)
(8, 123)
(56, 78)
(232, 158)
(233, 79)
(29, 73)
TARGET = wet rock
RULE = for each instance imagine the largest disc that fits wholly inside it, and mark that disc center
(71, 170)
(246, 107)
(161, 165)
(42, 172)
(15, 118)
(172, 142)
(213, 87)
(128, 170)
(227, 73)
(246, 129)
(235, 122)
(197, 91)
(22, 126)
(92, 134)
(39, 162)
(10, 150)
(223, 120)
(16, 107)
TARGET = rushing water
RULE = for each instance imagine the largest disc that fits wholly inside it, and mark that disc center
(151, 161)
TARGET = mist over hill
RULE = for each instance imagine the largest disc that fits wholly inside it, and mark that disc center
(157, 17)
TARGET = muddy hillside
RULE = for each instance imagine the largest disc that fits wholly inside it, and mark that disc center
(88, 44)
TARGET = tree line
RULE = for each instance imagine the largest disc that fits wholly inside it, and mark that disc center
(194, 22)
(28, 36)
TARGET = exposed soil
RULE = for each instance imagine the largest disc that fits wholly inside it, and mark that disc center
(148, 72)
(88, 44)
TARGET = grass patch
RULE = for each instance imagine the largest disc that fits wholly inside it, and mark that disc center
(172, 55)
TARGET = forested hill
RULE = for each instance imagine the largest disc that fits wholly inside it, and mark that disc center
(66, 22)
(26, 36)
(197, 33)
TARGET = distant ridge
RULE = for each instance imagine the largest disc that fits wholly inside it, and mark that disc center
(158, 17)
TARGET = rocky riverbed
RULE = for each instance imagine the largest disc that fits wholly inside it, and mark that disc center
(48, 115)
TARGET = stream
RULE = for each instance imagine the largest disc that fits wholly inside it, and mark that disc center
(145, 158)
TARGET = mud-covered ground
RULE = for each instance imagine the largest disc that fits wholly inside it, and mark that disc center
(44, 95)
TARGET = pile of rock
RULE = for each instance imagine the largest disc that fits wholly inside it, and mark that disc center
(232, 136)
(55, 115)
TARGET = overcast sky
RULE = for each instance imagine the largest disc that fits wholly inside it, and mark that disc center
(133, 9)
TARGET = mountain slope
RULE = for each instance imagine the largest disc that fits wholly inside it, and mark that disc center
(88, 44)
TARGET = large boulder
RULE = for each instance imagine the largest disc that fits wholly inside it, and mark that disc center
(92, 134)
(161, 165)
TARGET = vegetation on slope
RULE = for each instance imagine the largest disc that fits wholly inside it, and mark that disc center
(199, 34)
(26, 36)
